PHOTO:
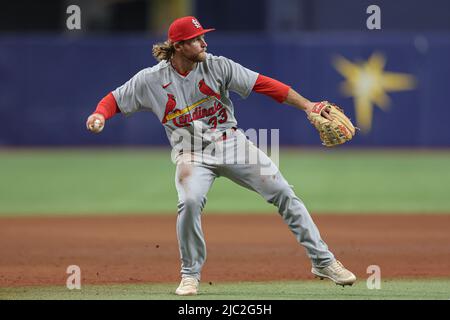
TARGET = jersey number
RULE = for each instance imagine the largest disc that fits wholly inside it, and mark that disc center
(221, 118)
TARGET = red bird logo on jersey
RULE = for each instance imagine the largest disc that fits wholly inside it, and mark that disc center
(170, 106)
(182, 117)
(203, 87)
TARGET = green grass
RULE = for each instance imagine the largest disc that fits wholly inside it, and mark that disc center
(436, 289)
(142, 181)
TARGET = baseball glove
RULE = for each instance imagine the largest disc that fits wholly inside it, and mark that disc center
(332, 132)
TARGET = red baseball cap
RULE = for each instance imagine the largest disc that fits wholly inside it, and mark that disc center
(186, 28)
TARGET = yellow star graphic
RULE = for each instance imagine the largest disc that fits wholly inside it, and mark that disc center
(368, 84)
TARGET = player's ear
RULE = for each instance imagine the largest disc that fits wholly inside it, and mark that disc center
(178, 45)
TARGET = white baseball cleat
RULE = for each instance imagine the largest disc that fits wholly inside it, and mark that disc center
(335, 272)
(188, 287)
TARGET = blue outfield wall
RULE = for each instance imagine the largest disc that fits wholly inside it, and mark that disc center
(50, 84)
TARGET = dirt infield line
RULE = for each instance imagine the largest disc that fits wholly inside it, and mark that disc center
(134, 249)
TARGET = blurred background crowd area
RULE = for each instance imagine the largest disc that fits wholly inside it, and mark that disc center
(390, 80)
(269, 16)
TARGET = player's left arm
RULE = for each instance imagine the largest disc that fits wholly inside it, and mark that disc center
(295, 99)
(283, 93)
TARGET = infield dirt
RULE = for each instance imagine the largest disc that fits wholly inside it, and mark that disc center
(134, 249)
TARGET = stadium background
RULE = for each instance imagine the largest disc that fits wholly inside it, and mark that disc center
(51, 79)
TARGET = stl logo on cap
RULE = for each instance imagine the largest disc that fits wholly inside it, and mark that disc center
(186, 28)
(196, 23)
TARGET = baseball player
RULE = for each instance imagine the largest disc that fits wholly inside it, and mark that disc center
(188, 90)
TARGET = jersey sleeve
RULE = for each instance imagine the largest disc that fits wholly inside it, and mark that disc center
(107, 106)
(237, 78)
(130, 95)
(272, 88)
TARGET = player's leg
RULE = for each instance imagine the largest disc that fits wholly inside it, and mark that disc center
(192, 183)
(265, 178)
(277, 191)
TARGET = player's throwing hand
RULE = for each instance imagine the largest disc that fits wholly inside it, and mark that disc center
(95, 123)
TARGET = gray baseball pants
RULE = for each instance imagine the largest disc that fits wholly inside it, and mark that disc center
(194, 177)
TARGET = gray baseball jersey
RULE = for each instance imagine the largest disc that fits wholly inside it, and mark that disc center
(203, 96)
(178, 101)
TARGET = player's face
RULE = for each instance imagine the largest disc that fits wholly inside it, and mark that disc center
(194, 49)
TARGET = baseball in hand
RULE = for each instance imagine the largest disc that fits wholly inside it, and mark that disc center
(97, 126)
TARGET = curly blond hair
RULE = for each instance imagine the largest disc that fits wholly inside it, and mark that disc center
(163, 50)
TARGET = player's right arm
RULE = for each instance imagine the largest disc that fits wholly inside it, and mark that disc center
(106, 108)
(126, 99)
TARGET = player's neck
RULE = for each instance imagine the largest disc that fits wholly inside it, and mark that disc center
(182, 65)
